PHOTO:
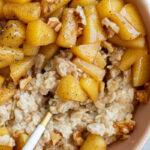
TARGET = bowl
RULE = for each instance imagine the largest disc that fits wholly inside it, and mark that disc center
(142, 112)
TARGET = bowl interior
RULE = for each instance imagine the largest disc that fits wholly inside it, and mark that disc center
(142, 118)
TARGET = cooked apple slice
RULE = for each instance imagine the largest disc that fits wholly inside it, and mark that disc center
(130, 56)
(69, 89)
(21, 141)
(4, 131)
(93, 31)
(105, 7)
(94, 142)
(141, 71)
(5, 95)
(30, 50)
(2, 79)
(127, 31)
(130, 12)
(76, 3)
(91, 69)
(136, 43)
(90, 86)
(19, 69)
(86, 52)
(38, 33)
(100, 61)
(48, 51)
(67, 36)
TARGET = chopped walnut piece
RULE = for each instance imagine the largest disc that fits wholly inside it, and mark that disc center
(39, 62)
(142, 96)
(55, 137)
(108, 46)
(111, 27)
(124, 137)
(80, 16)
(24, 83)
(81, 19)
(77, 138)
(54, 23)
(124, 127)
(46, 5)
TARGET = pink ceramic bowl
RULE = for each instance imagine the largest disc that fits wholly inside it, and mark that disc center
(142, 114)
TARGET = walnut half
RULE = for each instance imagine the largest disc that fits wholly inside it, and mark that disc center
(77, 138)
(124, 127)
(142, 96)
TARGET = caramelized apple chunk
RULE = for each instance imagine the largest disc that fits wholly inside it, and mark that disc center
(91, 69)
(90, 86)
(141, 71)
(130, 56)
(86, 52)
(69, 89)
(130, 12)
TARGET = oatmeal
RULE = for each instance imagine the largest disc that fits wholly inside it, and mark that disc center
(70, 58)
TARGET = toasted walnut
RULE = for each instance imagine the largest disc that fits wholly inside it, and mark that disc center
(55, 137)
(54, 23)
(77, 138)
(108, 46)
(142, 96)
(124, 137)
(81, 19)
(39, 62)
(111, 27)
(124, 127)
(46, 6)
(24, 83)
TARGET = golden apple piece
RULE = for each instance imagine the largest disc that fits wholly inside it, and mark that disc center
(86, 52)
(11, 54)
(130, 12)
(100, 61)
(30, 50)
(2, 79)
(13, 34)
(90, 86)
(18, 1)
(4, 131)
(94, 142)
(130, 56)
(141, 71)
(8, 11)
(48, 8)
(69, 89)
(3, 147)
(91, 69)
(1, 9)
(19, 69)
(67, 36)
(38, 33)
(127, 31)
(105, 7)
(48, 51)
(136, 43)
(6, 94)
(27, 12)
(82, 3)
(21, 141)
(93, 31)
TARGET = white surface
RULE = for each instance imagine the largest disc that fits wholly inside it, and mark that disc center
(34, 138)
(147, 145)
